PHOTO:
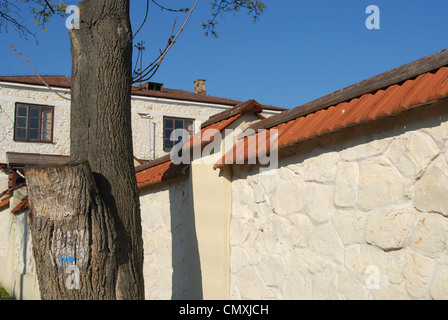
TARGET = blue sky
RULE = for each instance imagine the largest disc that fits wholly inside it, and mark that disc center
(297, 52)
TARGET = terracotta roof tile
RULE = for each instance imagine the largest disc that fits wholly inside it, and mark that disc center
(163, 169)
(206, 136)
(160, 172)
(23, 205)
(424, 89)
(4, 203)
(250, 106)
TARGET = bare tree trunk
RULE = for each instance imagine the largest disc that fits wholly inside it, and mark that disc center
(73, 234)
(101, 136)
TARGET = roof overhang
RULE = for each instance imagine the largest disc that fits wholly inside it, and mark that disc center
(18, 160)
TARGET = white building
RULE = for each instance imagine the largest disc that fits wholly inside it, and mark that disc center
(35, 121)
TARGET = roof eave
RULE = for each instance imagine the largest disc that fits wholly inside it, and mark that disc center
(386, 79)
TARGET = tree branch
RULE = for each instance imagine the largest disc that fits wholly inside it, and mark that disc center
(172, 10)
(38, 75)
(49, 6)
(144, 20)
(10, 17)
(146, 74)
(254, 7)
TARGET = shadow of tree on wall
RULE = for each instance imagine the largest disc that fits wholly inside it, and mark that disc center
(23, 239)
(186, 277)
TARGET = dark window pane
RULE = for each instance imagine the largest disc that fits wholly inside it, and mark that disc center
(21, 134)
(179, 124)
(22, 111)
(34, 123)
(168, 144)
(167, 135)
(169, 124)
(21, 122)
(34, 112)
(189, 127)
(33, 134)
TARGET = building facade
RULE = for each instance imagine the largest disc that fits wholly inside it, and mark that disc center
(35, 119)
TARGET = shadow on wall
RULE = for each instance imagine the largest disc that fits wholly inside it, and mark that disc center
(23, 239)
(186, 277)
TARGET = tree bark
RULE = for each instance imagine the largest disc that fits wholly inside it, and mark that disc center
(101, 136)
(73, 234)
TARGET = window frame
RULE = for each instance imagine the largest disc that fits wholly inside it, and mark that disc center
(27, 128)
(165, 148)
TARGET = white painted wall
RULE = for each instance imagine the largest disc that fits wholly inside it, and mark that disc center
(17, 269)
(170, 260)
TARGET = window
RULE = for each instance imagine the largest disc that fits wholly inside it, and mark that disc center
(170, 124)
(33, 123)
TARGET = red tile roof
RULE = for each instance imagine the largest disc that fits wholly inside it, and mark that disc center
(164, 93)
(4, 203)
(23, 205)
(382, 81)
(163, 169)
(250, 106)
(221, 121)
(424, 89)
(158, 171)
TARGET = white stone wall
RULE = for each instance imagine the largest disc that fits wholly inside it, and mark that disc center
(17, 268)
(166, 222)
(361, 214)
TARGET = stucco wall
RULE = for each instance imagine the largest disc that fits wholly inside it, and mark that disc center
(171, 261)
(354, 215)
(17, 269)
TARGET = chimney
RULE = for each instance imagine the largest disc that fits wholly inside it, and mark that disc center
(199, 87)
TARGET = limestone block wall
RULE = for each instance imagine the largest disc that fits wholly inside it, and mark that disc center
(359, 214)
